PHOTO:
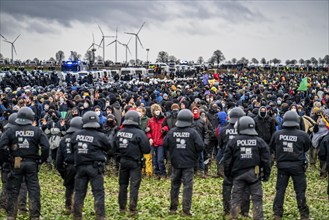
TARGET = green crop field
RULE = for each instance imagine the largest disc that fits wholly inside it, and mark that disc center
(154, 198)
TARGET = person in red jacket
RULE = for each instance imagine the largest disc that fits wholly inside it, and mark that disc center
(156, 134)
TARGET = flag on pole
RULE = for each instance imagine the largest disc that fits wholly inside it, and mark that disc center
(303, 85)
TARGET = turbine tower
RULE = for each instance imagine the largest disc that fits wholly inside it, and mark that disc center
(103, 41)
(127, 49)
(136, 39)
(12, 46)
(93, 48)
(116, 44)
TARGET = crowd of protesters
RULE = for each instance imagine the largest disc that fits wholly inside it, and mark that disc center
(263, 95)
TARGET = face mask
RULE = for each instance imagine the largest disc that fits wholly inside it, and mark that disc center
(278, 102)
(175, 112)
(207, 100)
(140, 114)
(157, 112)
(263, 114)
(61, 100)
(98, 113)
(293, 109)
(107, 104)
(85, 105)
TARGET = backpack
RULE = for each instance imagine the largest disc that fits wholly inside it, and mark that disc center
(309, 124)
(55, 137)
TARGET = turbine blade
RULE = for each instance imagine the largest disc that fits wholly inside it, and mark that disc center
(129, 40)
(3, 37)
(128, 49)
(140, 42)
(14, 48)
(130, 33)
(90, 47)
(100, 43)
(110, 43)
(100, 29)
(140, 28)
(7, 41)
(16, 38)
(93, 38)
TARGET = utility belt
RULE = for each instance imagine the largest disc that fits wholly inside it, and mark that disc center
(18, 160)
(99, 165)
(140, 161)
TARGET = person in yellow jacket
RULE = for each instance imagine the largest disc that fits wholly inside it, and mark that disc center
(148, 157)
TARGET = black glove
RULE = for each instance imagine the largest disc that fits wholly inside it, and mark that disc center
(305, 166)
(265, 178)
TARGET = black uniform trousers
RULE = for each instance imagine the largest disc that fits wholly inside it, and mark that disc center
(130, 172)
(4, 194)
(240, 184)
(178, 175)
(69, 178)
(299, 180)
(94, 175)
(28, 170)
(227, 195)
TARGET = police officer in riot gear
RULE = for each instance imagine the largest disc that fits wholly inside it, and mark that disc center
(5, 170)
(21, 142)
(89, 147)
(130, 143)
(65, 162)
(245, 156)
(184, 144)
(290, 146)
(228, 133)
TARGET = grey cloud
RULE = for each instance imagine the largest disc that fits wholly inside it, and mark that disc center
(65, 12)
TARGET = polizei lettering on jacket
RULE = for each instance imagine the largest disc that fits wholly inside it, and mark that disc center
(24, 133)
(181, 134)
(288, 138)
(247, 142)
(231, 131)
(125, 134)
(85, 138)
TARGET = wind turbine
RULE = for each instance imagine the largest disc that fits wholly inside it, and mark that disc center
(12, 46)
(103, 41)
(116, 44)
(93, 47)
(127, 49)
(136, 39)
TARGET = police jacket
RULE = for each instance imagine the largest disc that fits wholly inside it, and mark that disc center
(227, 133)
(290, 146)
(64, 153)
(89, 146)
(324, 150)
(131, 143)
(245, 152)
(24, 141)
(184, 145)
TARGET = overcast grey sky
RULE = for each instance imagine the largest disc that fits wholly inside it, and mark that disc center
(185, 29)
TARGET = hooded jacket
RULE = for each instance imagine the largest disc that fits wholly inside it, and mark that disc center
(265, 125)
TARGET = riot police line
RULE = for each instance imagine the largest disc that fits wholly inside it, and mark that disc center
(84, 150)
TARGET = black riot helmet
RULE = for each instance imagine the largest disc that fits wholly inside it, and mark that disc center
(132, 118)
(246, 125)
(90, 120)
(75, 125)
(184, 118)
(290, 119)
(235, 114)
(11, 121)
(25, 116)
